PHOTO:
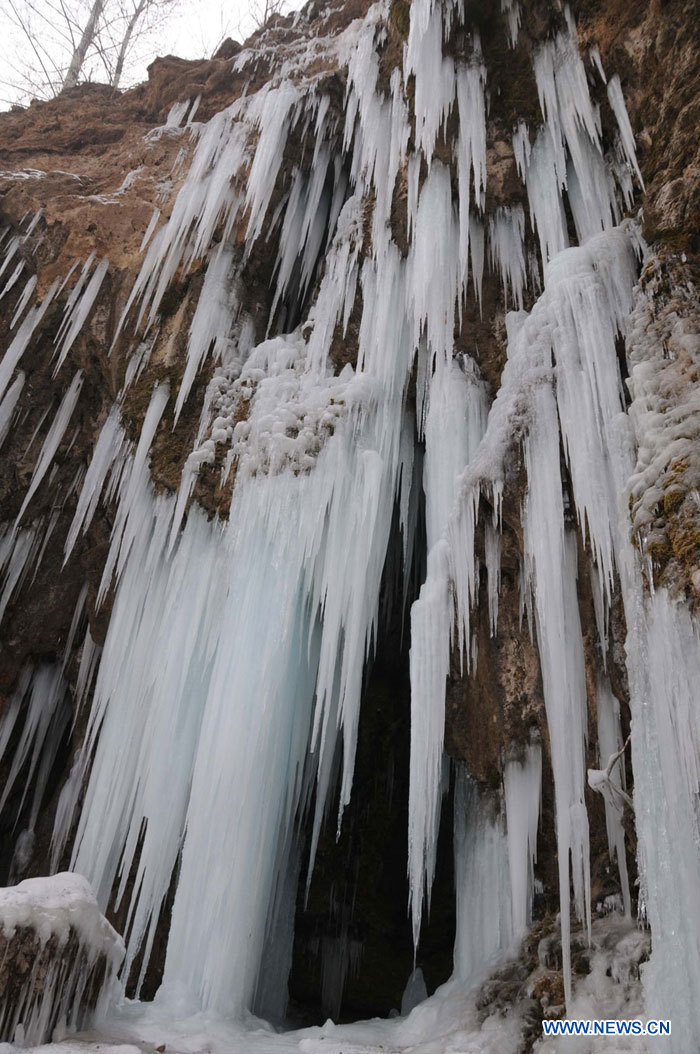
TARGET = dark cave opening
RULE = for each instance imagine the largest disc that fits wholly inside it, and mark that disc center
(353, 945)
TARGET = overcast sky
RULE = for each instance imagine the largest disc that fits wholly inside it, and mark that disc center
(193, 29)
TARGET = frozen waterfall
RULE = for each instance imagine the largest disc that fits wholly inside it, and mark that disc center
(225, 701)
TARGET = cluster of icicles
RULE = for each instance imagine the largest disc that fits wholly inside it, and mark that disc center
(226, 699)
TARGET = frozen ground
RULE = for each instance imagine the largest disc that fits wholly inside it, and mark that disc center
(138, 1030)
(446, 1023)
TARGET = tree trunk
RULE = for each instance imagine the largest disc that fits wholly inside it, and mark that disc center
(126, 40)
(76, 63)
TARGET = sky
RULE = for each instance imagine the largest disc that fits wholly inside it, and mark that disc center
(189, 28)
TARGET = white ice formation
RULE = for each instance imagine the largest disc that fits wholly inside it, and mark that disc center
(226, 698)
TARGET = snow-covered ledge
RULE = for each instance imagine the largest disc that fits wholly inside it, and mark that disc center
(58, 957)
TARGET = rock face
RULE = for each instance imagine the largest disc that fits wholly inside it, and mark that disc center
(59, 956)
(100, 174)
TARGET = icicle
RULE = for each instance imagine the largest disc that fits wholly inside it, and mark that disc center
(26, 296)
(594, 55)
(177, 113)
(477, 249)
(106, 457)
(53, 439)
(454, 426)
(8, 404)
(492, 554)
(211, 323)
(609, 745)
(272, 112)
(594, 207)
(471, 152)
(73, 787)
(455, 423)
(506, 250)
(10, 252)
(551, 555)
(65, 810)
(152, 224)
(617, 102)
(78, 307)
(435, 264)
(434, 74)
(13, 278)
(482, 884)
(336, 295)
(563, 92)
(544, 176)
(521, 149)
(134, 510)
(42, 694)
(431, 624)
(511, 9)
(24, 334)
(522, 785)
(664, 669)
(572, 122)
(593, 287)
(17, 549)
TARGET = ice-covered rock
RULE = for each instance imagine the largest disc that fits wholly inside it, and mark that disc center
(58, 957)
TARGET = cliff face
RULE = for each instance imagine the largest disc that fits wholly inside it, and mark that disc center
(95, 177)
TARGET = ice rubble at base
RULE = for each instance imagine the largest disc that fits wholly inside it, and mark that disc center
(321, 461)
(57, 909)
(447, 1021)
